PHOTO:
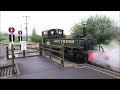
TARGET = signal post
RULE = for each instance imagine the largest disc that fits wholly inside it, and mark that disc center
(12, 30)
(20, 37)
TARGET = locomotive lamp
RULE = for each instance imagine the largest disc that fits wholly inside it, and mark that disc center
(84, 29)
(60, 32)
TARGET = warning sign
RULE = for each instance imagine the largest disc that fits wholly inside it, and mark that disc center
(23, 45)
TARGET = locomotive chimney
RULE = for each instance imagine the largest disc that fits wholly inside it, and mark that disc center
(84, 29)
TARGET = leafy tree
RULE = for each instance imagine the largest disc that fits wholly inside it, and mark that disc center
(35, 37)
(102, 27)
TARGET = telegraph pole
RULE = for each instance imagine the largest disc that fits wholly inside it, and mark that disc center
(26, 28)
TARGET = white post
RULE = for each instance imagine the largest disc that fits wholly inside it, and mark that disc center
(20, 38)
(20, 42)
(12, 38)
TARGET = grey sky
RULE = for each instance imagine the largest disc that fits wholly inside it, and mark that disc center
(44, 20)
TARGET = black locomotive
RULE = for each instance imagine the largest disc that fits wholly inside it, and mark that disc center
(76, 47)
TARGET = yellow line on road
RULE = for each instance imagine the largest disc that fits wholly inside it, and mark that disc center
(98, 71)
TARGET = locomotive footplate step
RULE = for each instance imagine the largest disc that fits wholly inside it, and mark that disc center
(101, 70)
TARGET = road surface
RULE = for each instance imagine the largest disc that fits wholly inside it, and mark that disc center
(41, 68)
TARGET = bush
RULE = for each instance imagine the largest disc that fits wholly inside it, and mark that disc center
(2, 38)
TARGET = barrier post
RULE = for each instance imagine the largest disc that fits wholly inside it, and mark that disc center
(7, 52)
(40, 49)
(23, 53)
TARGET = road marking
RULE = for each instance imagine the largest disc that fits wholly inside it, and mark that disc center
(98, 71)
(103, 69)
(80, 66)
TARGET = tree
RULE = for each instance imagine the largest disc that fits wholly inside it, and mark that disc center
(0, 37)
(35, 37)
(102, 27)
(5, 34)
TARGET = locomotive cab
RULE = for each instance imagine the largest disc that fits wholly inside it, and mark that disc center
(89, 43)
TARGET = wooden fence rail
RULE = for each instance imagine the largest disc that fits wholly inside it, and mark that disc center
(48, 50)
(23, 53)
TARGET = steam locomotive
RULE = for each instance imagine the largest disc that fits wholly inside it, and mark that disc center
(79, 48)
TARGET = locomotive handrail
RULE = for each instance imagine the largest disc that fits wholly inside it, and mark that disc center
(102, 48)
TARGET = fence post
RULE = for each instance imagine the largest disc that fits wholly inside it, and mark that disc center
(7, 52)
(23, 53)
(62, 55)
(50, 52)
(40, 49)
(13, 57)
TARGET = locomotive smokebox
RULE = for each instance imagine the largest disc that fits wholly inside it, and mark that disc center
(84, 29)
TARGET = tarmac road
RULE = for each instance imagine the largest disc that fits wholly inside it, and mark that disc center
(41, 68)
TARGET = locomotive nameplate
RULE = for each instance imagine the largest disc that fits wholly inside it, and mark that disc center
(64, 41)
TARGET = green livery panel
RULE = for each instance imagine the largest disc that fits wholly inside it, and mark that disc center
(70, 43)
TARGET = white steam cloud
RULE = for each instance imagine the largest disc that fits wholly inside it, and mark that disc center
(112, 51)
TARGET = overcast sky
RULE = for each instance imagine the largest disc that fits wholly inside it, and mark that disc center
(44, 20)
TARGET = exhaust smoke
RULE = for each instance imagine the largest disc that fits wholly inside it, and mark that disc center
(110, 58)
